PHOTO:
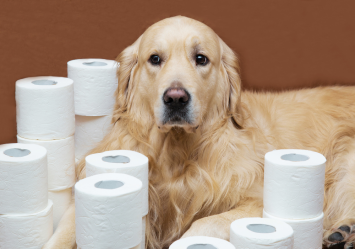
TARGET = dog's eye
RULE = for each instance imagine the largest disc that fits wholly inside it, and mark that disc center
(155, 59)
(201, 60)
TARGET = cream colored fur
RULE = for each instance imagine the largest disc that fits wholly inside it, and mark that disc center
(206, 174)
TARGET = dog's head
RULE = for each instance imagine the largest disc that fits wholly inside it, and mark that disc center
(178, 74)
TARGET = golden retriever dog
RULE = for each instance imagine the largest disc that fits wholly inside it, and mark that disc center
(180, 103)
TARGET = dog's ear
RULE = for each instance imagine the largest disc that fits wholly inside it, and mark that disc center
(230, 68)
(127, 60)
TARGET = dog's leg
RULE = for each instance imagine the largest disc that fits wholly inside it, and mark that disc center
(218, 226)
(339, 212)
(64, 236)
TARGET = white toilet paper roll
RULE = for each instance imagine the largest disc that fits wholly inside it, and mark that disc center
(108, 211)
(61, 201)
(308, 233)
(45, 108)
(26, 231)
(61, 161)
(23, 178)
(95, 83)
(89, 132)
(294, 183)
(121, 161)
(201, 242)
(259, 233)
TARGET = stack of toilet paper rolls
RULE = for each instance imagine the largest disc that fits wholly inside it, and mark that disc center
(26, 214)
(294, 193)
(108, 211)
(125, 162)
(45, 116)
(95, 83)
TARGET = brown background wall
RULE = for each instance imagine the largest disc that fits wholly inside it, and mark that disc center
(282, 44)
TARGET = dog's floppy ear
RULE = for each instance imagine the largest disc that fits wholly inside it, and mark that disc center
(127, 60)
(230, 67)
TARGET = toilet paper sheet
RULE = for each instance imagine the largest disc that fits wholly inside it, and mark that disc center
(246, 233)
(201, 242)
(121, 161)
(61, 201)
(308, 233)
(44, 111)
(95, 83)
(294, 183)
(61, 161)
(23, 178)
(89, 133)
(26, 231)
(108, 211)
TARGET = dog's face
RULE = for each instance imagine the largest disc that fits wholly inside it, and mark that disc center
(177, 72)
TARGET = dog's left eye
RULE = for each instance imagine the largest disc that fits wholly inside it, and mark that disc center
(201, 60)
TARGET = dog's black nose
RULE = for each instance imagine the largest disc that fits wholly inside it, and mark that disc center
(176, 97)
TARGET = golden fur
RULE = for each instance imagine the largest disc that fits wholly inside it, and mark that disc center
(206, 174)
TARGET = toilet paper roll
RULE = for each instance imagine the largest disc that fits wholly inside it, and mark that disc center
(201, 242)
(121, 161)
(142, 244)
(23, 178)
(95, 83)
(45, 108)
(294, 183)
(26, 231)
(260, 233)
(308, 233)
(89, 132)
(108, 211)
(61, 201)
(60, 161)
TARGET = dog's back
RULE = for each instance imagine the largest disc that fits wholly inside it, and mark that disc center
(306, 118)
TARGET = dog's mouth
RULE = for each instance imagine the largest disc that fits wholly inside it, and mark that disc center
(177, 118)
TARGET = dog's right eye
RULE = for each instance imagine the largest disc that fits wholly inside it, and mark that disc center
(155, 59)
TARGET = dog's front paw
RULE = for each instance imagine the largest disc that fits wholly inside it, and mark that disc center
(342, 237)
(212, 226)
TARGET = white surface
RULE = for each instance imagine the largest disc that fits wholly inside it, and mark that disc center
(94, 86)
(308, 233)
(241, 237)
(201, 240)
(108, 218)
(61, 161)
(142, 244)
(137, 167)
(294, 190)
(143, 232)
(26, 231)
(89, 131)
(45, 112)
(61, 201)
(23, 180)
